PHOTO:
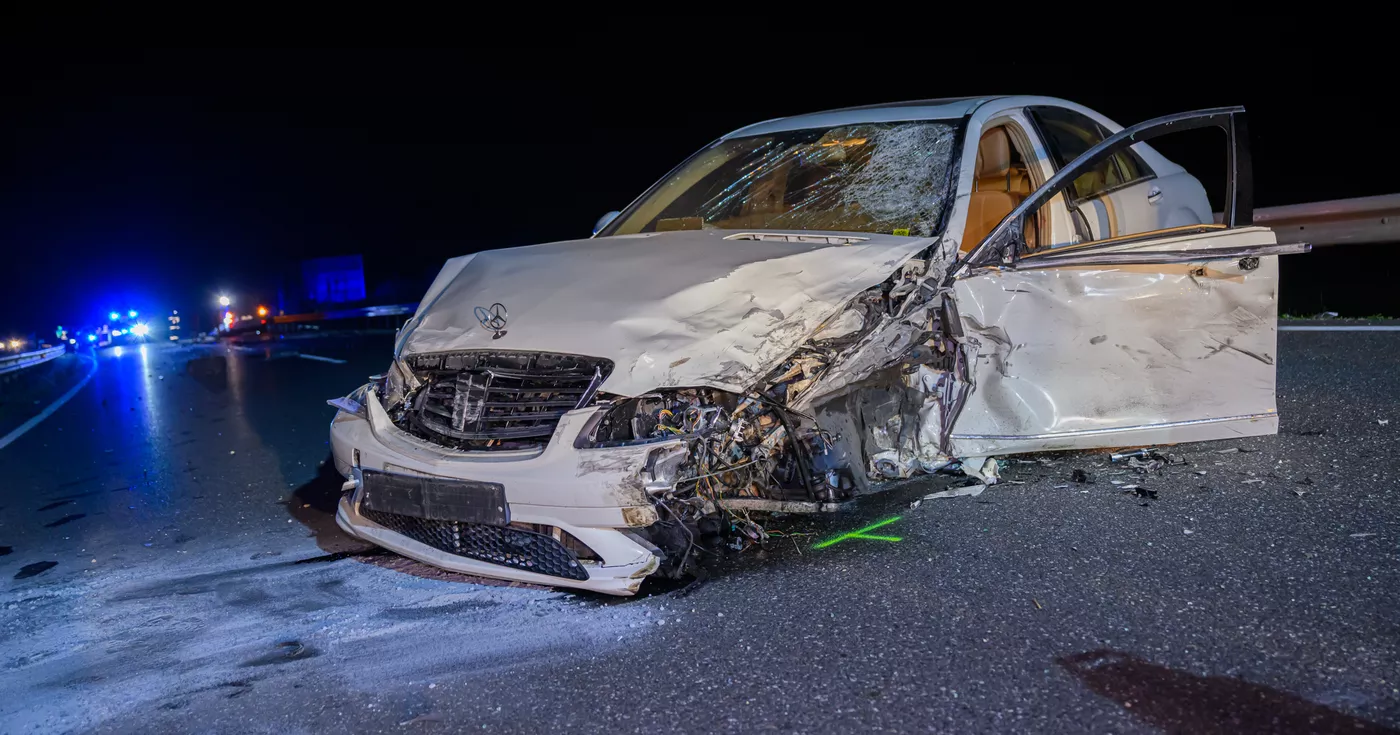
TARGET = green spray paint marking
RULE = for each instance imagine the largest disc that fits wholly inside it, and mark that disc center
(862, 534)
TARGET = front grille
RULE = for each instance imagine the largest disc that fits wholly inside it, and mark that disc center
(492, 399)
(503, 545)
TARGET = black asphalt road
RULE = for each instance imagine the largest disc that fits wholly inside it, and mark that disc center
(171, 565)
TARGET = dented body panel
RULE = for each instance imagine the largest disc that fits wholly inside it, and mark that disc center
(668, 308)
(1091, 356)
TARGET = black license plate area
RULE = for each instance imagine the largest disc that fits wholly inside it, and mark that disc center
(435, 498)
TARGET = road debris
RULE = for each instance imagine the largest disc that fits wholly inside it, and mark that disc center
(1151, 460)
(1078, 475)
(429, 717)
(1362, 535)
(970, 490)
(1383, 422)
(1139, 491)
(990, 473)
(1148, 464)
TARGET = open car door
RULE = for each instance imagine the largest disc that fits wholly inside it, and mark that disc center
(1152, 338)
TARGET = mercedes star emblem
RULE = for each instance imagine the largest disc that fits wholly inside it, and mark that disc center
(493, 318)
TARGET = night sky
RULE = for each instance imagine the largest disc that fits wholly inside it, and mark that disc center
(158, 179)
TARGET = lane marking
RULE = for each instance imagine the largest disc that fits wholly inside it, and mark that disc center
(26, 426)
(1375, 328)
(322, 359)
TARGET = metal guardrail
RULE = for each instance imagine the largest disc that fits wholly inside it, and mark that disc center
(1336, 222)
(11, 363)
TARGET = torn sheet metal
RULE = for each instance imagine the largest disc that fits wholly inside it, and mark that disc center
(985, 469)
(1077, 357)
(687, 308)
(957, 492)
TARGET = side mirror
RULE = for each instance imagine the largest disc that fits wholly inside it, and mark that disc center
(604, 220)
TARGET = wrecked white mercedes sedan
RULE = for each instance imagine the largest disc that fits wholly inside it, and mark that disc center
(801, 311)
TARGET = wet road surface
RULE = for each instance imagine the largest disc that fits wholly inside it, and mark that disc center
(170, 564)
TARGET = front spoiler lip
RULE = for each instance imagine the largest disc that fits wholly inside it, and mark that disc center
(622, 579)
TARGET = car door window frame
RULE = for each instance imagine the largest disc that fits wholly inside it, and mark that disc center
(1040, 166)
(1006, 243)
(1058, 158)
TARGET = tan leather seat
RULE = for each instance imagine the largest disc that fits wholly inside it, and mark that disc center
(1019, 184)
(996, 188)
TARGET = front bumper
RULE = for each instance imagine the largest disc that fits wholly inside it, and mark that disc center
(593, 494)
(621, 579)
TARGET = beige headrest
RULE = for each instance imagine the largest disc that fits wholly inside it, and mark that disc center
(993, 154)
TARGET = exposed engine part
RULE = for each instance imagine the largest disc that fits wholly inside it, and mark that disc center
(714, 447)
(717, 444)
(904, 377)
(667, 414)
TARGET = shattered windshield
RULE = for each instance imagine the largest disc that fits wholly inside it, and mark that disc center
(889, 178)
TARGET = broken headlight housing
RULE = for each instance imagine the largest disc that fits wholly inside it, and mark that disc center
(665, 415)
(722, 443)
(354, 403)
(391, 386)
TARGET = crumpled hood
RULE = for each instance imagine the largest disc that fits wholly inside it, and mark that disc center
(669, 309)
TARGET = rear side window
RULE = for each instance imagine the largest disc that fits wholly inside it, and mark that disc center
(1069, 134)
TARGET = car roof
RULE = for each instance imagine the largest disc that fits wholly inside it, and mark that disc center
(934, 109)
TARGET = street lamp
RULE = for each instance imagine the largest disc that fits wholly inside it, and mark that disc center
(222, 316)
